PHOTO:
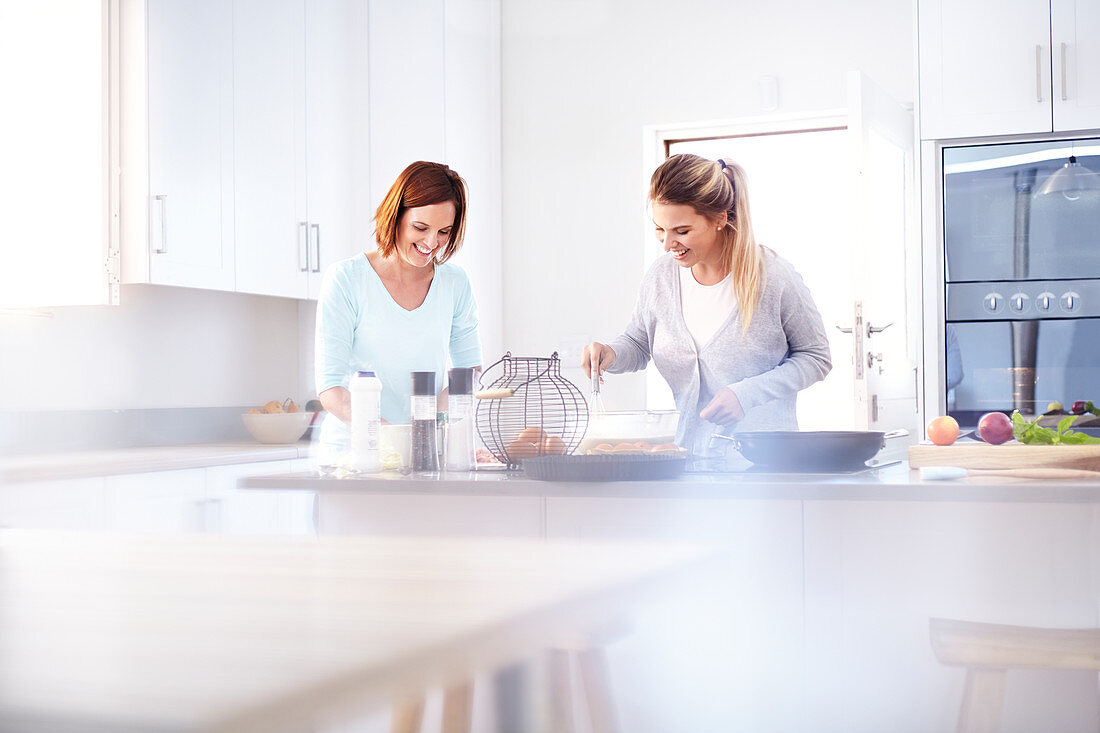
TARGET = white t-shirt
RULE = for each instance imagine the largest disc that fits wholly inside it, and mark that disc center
(705, 307)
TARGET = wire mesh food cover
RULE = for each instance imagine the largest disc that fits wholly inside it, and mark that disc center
(545, 414)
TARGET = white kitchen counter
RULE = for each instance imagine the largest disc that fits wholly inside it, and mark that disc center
(82, 464)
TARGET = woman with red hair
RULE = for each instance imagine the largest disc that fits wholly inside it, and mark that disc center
(400, 307)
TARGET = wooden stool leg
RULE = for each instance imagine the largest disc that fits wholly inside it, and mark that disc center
(559, 691)
(458, 708)
(406, 716)
(983, 701)
(597, 690)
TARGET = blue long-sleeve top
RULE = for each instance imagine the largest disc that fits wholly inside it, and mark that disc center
(361, 327)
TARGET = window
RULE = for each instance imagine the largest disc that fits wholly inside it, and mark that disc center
(55, 152)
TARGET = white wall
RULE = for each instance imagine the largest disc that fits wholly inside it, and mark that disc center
(582, 77)
(162, 347)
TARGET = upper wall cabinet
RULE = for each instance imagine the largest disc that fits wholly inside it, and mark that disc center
(1003, 67)
(300, 85)
(248, 125)
(407, 85)
(176, 91)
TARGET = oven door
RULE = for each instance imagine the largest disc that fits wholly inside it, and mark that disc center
(987, 365)
(1008, 214)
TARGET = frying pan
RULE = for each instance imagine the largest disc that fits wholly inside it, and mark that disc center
(810, 450)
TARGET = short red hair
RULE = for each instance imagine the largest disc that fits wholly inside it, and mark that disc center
(421, 184)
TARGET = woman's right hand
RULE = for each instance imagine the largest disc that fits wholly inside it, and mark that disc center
(596, 358)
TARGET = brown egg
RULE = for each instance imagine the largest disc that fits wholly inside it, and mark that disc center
(532, 435)
(553, 446)
(520, 449)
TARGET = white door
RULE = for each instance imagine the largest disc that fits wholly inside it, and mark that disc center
(984, 67)
(191, 144)
(269, 125)
(1075, 36)
(886, 322)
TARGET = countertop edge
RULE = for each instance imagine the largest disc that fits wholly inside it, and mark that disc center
(101, 463)
(898, 483)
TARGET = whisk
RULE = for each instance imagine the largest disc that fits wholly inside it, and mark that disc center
(595, 402)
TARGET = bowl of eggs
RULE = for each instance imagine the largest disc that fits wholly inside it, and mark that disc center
(277, 422)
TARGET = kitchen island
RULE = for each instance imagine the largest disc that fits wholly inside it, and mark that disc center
(822, 622)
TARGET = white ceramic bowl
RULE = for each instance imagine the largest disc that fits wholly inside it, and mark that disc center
(277, 427)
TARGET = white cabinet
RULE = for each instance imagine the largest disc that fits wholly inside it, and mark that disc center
(877, 571)
(299, 75)
(256, 511)
(990, 67)
(67, 504)
(176, 126)
(428, 515)
(160, 501)
(1075, 32)
(406, 62)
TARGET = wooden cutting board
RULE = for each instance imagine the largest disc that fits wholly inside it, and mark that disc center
(1009, 455)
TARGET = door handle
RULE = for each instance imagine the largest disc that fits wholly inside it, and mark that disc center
(303, 246)
(163, 248)
(1038, 73)
(1064, 97)
(870, 329)
(316, 229)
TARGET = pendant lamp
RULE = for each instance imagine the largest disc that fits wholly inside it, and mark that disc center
(1070, 180)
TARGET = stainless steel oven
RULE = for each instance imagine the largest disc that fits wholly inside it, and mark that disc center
(1021, 226)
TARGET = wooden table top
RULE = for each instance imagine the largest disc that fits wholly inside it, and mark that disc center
(192, 632)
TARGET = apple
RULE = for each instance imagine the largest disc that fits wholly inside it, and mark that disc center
(1078, 407)
(1054, 407)
(995, 428)
(943, 430)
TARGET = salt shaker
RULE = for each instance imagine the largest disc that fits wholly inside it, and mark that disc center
(366, 421)
(460, 420)
(424, 456)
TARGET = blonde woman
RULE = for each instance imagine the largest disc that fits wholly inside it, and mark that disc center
(729, 324)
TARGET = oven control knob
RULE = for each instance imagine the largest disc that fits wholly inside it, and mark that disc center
(993, 303)
(1071, 302)
(1043, 301)
(1018, 302)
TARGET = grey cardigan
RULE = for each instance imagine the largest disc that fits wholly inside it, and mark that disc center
(784, 350)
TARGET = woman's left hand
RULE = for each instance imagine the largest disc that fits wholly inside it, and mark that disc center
(724, 409)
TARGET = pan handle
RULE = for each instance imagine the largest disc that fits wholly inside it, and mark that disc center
(713, 446)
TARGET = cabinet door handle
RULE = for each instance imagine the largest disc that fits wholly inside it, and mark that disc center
(303, 247)
(163, 248)
(1038, 73)
(1064, 97)
(316, 247)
